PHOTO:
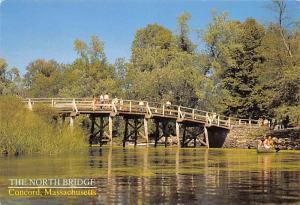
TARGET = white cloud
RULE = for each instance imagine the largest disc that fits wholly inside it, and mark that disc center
(1, 1)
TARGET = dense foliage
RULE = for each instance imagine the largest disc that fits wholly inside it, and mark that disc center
(245, 69)
(23, 131)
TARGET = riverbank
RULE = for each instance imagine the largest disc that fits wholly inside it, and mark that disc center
(248, 137)
(23, 131)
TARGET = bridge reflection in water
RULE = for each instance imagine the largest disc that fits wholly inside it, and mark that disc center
(176, 176)
(163, 176)
(189, 125)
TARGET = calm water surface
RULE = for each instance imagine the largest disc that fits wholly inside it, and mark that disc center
(164, 176)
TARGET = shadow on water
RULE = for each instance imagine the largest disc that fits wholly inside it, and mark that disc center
(165, 176)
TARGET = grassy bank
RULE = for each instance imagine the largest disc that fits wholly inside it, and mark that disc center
(23, 131)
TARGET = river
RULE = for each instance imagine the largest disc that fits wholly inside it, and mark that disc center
(163, 176)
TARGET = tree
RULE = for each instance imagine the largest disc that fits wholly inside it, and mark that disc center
(234, 62)
(183, 41)
(281, 11)
(10, 81)
(90, 74)
(43, 78)
(159, 70)
(151, 47)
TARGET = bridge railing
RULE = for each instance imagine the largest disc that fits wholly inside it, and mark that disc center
(163, 109)
(204, 116)
(244, 122)
(134, 106)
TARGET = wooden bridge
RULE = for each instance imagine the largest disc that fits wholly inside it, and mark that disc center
(190, 125)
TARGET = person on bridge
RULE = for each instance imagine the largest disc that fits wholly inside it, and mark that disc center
(106, 98)
(141, 105)
(168, 106)
(101, 99)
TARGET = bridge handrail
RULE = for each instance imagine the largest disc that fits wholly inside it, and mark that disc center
(151, 108)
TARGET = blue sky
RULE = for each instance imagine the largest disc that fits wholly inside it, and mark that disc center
(32, 29)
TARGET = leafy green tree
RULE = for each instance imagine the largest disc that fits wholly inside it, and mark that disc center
(43, 78)
(151, 48)
(235, 63)
(90, 74)
(183, 41)
(160, 70)
(10, 80)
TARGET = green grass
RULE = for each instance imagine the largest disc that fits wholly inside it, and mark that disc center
(23, 131)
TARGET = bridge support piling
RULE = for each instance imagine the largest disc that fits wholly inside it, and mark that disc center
(183, 136)
(132, 130)
(101, 130)
(165, 132)
(97, 132)
(92, 136)
(110, 130)
(206, 136)
(125, 132)
(178, 133)
(164, 126)
(194, 133)
(135, 131)
(146, 131)
(156, 132)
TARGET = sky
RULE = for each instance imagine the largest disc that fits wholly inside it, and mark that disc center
(34, 29)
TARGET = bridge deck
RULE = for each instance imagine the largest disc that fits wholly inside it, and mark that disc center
(146, 109)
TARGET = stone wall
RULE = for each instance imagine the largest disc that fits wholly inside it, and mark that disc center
(241, 137)
(288, 139)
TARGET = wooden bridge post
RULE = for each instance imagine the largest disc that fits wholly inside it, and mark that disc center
(165, 132)
(92, 130)
(178, 134)
(132, 130)
(183, 136)
(125, 132)
(136, 122)
(101, 127)
(206, 136)
(146, 131)
(110, 130)
(195, 140)
(156, 133)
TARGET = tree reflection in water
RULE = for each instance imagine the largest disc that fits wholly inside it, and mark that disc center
(167, 176)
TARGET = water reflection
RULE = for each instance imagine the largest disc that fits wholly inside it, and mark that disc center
(167, 176)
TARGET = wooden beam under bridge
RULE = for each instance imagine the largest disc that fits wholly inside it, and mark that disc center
(101, 129)
(133, 129)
